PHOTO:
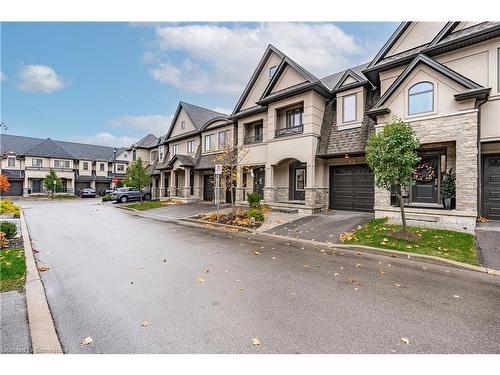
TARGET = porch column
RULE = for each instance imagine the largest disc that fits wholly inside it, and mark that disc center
(197, 189)
(160, 193)
(173, 188)
(310, 189)
(269, 188)
(187, 182)
(466, 174)
(240, 193)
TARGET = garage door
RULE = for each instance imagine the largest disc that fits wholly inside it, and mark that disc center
(16, 189)
(101, 186)
(491, 187)
(351, 188)
(81, 185)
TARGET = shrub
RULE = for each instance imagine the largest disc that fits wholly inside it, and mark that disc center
(106, 198)
(256, 214)
(253, 200)
(7, 207)
(8, 228)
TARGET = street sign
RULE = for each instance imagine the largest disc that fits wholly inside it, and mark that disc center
(114, 180)
(218, 169)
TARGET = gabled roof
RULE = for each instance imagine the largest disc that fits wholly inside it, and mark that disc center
(199, 116)
(334, 81)
(390, 42)
(423, 59)
(148, 141)
(50, 149)
(270, 49)
(185, 160)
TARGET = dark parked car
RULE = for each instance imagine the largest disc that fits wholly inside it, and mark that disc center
(87, 192)
(126, 194)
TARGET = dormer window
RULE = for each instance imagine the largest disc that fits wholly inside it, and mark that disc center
(421, 98)
(272, 70)
(183, 124)
(349, 108)
(11, 161)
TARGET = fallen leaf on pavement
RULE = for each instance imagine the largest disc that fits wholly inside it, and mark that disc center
(255, 341)
(397, 285)
(456, 296)
(86, 341)
(240, 289)
(404, 340)
(336, 274)
(42, 269)
(145, 323)
(359, 254)
(274, 258)
(141, 267)
(306, 265)
(200, 280)
(256, 253)
(358, 265)
(206, 270)
(382, 273)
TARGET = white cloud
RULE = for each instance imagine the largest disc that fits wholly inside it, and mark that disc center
(155, 124)
(39, 78)
(3, 77)
(104, 139)
(227, 111)
(219, 59)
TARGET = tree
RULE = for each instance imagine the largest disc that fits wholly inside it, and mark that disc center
(4, 183)
(137, 176)
(392, 154)
(231, 158)
(52, 182)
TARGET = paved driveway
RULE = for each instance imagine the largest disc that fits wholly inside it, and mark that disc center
(110, 271)
(323, 227)
(488, 243)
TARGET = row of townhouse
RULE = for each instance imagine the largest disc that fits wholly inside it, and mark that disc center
(304, 137)
(26, 161)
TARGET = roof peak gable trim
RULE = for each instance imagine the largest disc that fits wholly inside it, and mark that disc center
(352, 74)
(446, 30)
(270, 48)
(457, 77)
(390, 42)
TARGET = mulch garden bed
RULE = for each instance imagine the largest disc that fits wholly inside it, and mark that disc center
(238, 219)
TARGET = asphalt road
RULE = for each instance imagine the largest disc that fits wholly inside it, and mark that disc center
(110, 271)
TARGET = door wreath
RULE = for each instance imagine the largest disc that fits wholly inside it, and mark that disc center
(425, 172)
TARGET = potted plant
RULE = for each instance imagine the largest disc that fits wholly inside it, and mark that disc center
(448, 189)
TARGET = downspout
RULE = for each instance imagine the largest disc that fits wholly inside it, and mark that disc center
(479, 158)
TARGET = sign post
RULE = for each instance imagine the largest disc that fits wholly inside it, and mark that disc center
(218, 172)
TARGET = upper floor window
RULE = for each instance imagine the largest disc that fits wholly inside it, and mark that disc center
(134, 155)
(162, 150)
(272, 70)
(294, 117)
(37, 162)
(85, 166)
(183, 124)
(190, 147)
(421, 98)
(61, 163)
(153, 155)
(120, 167)
(349, 108)
(210, 142)
(224, 138)
(175, 149)
(11, 162)
(101, 167)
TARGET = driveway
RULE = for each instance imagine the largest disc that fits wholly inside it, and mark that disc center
(206, 291)
(325, 227)
(488, 243)
(185, 210)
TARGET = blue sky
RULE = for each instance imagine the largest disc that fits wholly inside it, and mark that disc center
(112, 83)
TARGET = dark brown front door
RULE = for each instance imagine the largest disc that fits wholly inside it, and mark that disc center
(425, 189)
(297, 182)
(491, 187)
(208, 187)
(259, 181)
(36, 186)
(351, 188)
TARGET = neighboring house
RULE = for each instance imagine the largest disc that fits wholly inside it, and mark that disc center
(26, 161)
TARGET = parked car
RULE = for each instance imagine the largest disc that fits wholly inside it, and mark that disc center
(126, 194)
(87, 192)
(104, 192)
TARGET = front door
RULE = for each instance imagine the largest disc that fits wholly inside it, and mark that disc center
(259, 181)
(298, 182)
(208, 188)
(36, 186)
(191, 183)
(491, 187)
(425, 189)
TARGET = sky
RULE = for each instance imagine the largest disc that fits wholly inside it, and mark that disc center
(113, 83)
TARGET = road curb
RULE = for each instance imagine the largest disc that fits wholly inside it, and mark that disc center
(43, 333)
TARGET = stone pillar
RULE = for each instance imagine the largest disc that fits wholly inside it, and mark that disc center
(269, 188)
(172, 187)
(240, 193)
(466, 168)
(187, 183)
(160, 192)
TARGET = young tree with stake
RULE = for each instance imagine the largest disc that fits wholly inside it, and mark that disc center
(52, 182)
(392, 154)
(137, 176)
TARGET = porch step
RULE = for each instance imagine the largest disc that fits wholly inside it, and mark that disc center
(432, 219)
(286, 210)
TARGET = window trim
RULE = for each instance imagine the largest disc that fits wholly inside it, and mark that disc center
(85, 165)
(227, 142)
(294, 111)
(207, 136)
(175, 149)
(9, 159)
(190, 147)
(120, 167)
(183, 124)
(410, 113)
(33, 164)
(355, 95)
(102, 167)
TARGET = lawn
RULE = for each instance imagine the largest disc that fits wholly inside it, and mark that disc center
(148, 205)
(12, 269)
(437, 242)
(63, 197)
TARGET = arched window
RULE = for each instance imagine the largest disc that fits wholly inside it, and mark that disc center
(421, 98)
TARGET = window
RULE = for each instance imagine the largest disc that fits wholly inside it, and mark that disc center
(61, 163)
(294, 117)
(190, 147)
(210, 142)
(85, 165)
(223, 138)
(349, 108)
(125, 155)
(162, 149)
(183, 124)
(175, 149)
(154, 155)
(134, 155)
(101, 167)
(37, 162)
(300, 178)
(421, 98)
(11, 162)
(272, 70)
(120, 167)
(259, 131)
